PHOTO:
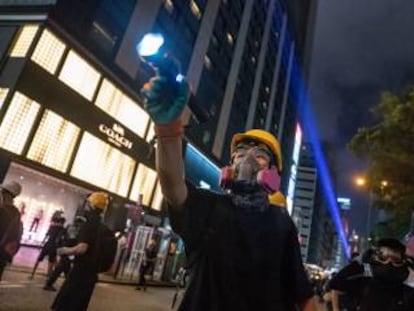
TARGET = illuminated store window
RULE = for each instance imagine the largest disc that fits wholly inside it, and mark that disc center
(18, 122)
(157, 200)
(102, 165)
(48, 52)
(3, 94)
(144, 184)
(111, 100)
(79, 75)
(23, 42)
(151, 132)
(54, 141)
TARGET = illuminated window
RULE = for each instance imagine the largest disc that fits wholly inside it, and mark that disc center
(23, 42)
(144, 184)
(102, 165)
(169, 5)
(158, 197)
(111, 100)
(195, 9)
(54, 141)
(230, 38)
(48, 51)
(151, 132)
(3, 94)
(17, 123)
(79, 75)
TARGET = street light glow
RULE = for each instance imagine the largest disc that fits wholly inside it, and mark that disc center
(384, 183)
(360, 181)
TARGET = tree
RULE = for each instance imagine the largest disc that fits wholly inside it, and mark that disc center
(388, 147)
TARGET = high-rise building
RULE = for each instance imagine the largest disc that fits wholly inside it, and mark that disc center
(71, 116)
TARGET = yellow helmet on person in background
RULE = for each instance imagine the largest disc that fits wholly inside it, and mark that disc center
(277, 198)
(261, 136)
(98, 200)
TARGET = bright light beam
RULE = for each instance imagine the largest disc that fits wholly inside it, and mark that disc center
(299, 91)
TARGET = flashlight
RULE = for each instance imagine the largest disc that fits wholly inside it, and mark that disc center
(151, 50)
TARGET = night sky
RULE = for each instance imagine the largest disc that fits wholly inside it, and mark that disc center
(361, 49)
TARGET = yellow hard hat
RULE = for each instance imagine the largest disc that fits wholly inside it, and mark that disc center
(277, 198)
(264, 137)
(98, 200)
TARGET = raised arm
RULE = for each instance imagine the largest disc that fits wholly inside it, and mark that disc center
(165, 110)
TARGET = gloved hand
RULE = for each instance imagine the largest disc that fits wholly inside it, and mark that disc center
(162, 106)
(61, 251)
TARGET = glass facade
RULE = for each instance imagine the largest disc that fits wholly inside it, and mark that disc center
(102, 165)
(18, 122)
(3, 94)
(144, 184)
(24, 41)
(48, 52)
(114, 102)
(79, 75)
(54, 141)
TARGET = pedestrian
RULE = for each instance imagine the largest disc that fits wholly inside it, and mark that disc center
(77, 289)
(243, 252)
(382, 281)
(36, 220)
(11, 227)
(147, 265)
(69, 239)
(50, 245)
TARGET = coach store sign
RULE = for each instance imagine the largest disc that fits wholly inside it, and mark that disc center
(116, 135)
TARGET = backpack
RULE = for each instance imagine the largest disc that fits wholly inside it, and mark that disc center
(107, 245)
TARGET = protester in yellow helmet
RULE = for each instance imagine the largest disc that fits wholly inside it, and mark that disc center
(243, 250)
(77, 289)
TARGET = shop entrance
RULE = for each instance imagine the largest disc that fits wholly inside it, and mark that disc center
(42, 195)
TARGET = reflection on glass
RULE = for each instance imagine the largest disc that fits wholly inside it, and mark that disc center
(151, 132)
(48, 52)
(17, 123)
(158, 197)
(23, 42)
(3, 94)
(114, 102)
(79, 75)
(102, 165)
(144, 184)
(54, 141)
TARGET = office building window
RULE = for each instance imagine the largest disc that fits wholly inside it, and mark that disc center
(79, 75)
(158, 197)
(3, 95)
(144, 184)
(151, 133)
(102, 165)
(23, 42)
(54, 141)
(195, 9)
(114, 102)
(18, 122)
(48, 52)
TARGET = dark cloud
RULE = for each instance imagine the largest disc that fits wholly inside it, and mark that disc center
(361, 49)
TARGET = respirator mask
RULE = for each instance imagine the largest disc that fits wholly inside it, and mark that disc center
(389, 265)
(246, 173)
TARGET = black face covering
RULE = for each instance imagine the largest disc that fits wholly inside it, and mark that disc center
(389, 274)
(249, 196)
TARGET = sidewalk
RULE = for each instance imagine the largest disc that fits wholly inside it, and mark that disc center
(27, 255)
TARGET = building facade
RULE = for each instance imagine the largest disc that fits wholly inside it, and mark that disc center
(71, 117)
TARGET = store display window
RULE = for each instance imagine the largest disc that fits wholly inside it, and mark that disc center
(144, 184)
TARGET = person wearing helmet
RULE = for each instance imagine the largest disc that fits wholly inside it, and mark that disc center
(242, 250)
(11, 227)
(380, 281)
(77, 289)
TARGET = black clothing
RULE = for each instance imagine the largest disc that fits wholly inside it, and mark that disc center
(371, 293)
(147, 265)
(11, 230)
(54, 235)
(76, 291)
(239, 259)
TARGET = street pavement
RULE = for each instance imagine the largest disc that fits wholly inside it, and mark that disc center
(17, 293)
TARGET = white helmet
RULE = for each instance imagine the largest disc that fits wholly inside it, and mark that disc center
(13, 187)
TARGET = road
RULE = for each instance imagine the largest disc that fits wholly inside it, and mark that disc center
(17, 293)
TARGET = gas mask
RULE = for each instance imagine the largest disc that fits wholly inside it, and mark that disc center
(247, 172)
(389, 266)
